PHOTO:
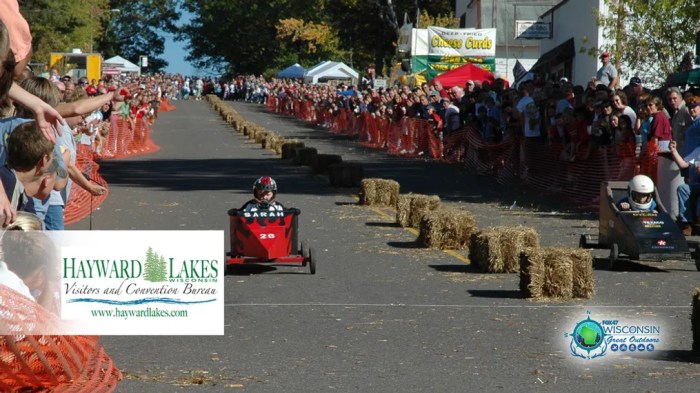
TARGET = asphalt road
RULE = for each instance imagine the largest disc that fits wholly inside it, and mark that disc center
(381, 314)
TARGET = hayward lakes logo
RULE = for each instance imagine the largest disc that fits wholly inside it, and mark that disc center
(154, 268)
(142, 282)
(592, 339)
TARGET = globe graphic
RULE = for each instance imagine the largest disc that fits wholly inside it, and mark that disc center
(588, 334)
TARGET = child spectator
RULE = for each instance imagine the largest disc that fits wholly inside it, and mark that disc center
(31, 165)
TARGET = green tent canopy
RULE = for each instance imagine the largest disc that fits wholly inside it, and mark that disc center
(691, 78)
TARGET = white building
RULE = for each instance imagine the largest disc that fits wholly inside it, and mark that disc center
(575, 32)
(501, 15)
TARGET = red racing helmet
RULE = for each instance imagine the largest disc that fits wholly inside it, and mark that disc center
(265, 184)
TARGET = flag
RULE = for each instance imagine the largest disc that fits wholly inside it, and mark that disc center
(518, 71)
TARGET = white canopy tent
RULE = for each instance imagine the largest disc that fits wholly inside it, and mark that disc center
(330, 70)
(121, 64)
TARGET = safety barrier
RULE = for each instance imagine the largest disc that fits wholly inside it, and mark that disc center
(52, 363)
(534, 163)
(165, 106)
(122, 141)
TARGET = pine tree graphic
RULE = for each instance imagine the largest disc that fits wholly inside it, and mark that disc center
(155, 269)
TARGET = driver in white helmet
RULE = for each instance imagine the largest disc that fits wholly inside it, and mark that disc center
(640, 195)
(264, 193)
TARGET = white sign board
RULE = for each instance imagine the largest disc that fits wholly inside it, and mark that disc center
(531, 30)
(379, 83)
(461, 42)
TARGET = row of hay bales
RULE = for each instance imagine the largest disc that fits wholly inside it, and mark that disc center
(340, 173)
(545, 273)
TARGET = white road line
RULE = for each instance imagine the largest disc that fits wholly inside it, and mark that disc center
(389, 305)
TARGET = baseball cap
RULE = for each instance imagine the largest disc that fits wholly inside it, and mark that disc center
(470, 82)
(635, 80)
(434, 93)
(605, 54)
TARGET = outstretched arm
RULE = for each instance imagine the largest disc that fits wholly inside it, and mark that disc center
(84, 106)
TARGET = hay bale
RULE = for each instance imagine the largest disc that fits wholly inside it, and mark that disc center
(403, 209)
(260, 135)
(485, 250)
(269, 140)
(695, 321)
(289, 148)
(558, 274)
(532, 272)
(304, 156)
(379, 192)
(322, 161)
(368, 192)
(276, 144)
(547, 273)
(513, 241)
(583, 285)
(421, 204)
(446, 228)
(346, 174)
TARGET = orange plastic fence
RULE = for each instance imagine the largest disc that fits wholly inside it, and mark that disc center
(122, 141)
(512, 161)
(165, 106)
(51, 363)
(81, 203)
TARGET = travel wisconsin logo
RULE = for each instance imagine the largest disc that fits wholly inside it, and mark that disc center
(593, 339)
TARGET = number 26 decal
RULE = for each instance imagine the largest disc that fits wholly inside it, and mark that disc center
(267, 235)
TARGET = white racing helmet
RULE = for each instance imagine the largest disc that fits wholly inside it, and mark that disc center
(641, 192)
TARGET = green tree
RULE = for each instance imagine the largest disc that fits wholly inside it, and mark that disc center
(155, 269)
(162, 269)
(62, 26)
(149, 264)
(651, 37)
(313, 42)
(129, 28)
(241, 35)
(139, 28)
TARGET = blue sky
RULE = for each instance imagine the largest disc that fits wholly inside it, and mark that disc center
(175, 54)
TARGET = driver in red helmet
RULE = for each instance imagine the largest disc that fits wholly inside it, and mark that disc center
(264, 193)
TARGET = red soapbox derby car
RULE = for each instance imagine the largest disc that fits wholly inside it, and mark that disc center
(268, 237)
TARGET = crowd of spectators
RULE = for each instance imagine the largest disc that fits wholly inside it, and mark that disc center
(630, 120)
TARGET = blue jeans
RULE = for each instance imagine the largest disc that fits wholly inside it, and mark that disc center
(688, 206)
(53, 221)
